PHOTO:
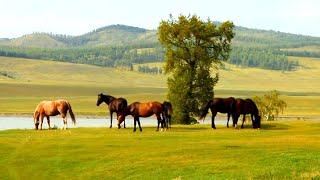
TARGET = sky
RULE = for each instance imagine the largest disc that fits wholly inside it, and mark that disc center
(77, 17)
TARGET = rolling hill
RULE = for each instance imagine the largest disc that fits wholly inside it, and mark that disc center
(33, 80)
(121, 45)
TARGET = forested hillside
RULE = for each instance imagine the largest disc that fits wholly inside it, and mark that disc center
(120, 45)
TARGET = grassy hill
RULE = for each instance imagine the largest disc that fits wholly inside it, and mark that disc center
(36, 40)
(30, 81)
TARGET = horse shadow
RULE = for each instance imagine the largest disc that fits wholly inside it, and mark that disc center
(275, 126)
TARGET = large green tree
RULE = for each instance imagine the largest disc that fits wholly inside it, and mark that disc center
(193, 47)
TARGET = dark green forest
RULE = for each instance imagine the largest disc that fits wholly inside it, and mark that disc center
(120, 45)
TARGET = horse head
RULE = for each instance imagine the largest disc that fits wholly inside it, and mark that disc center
(100, 99)
(257, 123)
(121, 118)
(36, 119)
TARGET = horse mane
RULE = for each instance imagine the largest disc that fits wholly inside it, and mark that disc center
(107, 98)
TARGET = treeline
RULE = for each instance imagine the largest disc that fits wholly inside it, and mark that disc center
(100, 56)
(122, 56)
(264, 59)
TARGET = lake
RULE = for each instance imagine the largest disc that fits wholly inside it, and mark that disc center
(11, 122)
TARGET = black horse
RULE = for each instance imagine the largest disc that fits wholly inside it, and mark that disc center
(246, 106)
(222, 105)
(116, 105)
(167, 113)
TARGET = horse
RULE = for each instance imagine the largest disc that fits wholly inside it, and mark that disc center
(116, 105)
(222, 105)
(167, 113)
(53, 108)
(246, 106)
(138, 110)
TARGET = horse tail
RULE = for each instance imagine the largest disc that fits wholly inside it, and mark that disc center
(71, 113)
(205, 111)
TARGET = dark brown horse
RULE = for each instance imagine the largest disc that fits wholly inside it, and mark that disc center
(52, 108)
(221, 105)
(246, 106)
(138, 110)
(116, 105)
(167, 113)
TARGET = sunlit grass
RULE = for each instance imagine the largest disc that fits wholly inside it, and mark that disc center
(280, 150)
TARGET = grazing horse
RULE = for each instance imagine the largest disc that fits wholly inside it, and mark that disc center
(116, 105)
(246, 106)
(52, 108)
(167, 113)
(138, 110)
(222, 105)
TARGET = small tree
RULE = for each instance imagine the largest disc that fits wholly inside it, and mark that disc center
(270, 105)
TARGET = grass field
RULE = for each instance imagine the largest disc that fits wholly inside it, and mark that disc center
(279, 150)
(31, 81)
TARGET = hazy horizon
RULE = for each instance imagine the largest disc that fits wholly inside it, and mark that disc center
(77, 17)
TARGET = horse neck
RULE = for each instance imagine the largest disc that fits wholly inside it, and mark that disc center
(107, 99)
(127, 110)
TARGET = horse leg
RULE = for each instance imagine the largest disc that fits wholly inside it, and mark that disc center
(65, 125)
(253, 121)
(48, 120)
(111, 119)
(213, 126)
(228, 120)
(159, 121)
(41, 121)
(134, 124)
(244, 118)
(139, 124)
(235, 120)
(164, 121)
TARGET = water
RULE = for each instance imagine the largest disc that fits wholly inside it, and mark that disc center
(27, 122)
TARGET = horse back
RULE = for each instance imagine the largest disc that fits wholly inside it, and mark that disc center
(146, 109)
(47, 108)
(245, 106)
(223, 105)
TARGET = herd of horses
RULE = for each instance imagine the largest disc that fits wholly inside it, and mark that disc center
(163, 111)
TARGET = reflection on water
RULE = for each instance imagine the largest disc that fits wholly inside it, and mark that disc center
(27, 122)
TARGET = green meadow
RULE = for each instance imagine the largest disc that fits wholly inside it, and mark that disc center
(279, 150)
(30, 81)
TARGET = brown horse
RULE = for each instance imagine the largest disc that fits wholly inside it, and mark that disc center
(222, 105)
(116, 105)
(52, 108)
(138, 110)
(246, 106)
(167, 113)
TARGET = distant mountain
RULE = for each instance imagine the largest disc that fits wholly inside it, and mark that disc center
(115, 35)
(121, 45)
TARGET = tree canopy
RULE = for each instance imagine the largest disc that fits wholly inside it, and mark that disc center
(192, 48)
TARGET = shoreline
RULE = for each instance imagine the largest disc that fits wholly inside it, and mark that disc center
(107, 116)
